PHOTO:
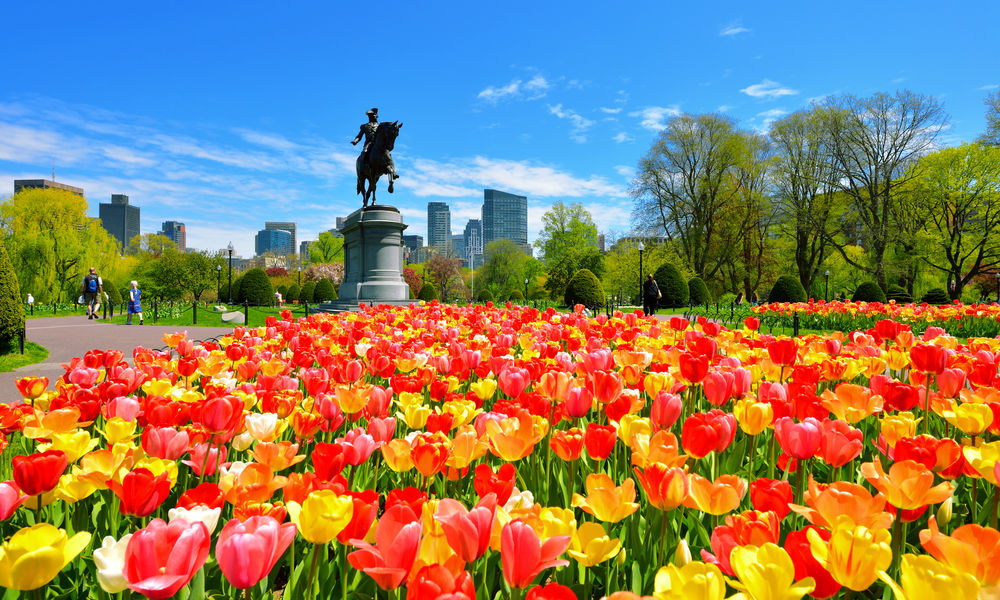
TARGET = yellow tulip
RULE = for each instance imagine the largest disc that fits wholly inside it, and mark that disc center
(397, 455)
(854, 555)
(119, 430)
(606, 501)
(591, 545)
(630, 425)
(557, 521)
(753, 417)
(415, 416)
(972, 419)
(322, 515)
(34, 556)
(73, 489)
(462, 411)
(898, 426)
(767, 572)
(484, 388)
(982, 458)
(157, 387)
(73, 443)
(693, 581)
(925, 578)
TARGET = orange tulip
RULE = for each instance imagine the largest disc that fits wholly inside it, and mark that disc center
(555, 385)
(851, 402)
(352, 399)
(827, 503)
(32, 387)
(567, 445)
(661, 448)
(396, 453)
(466, 448)
(718, 497)
(278, 456)
(254, 483)
(665, 487)
(970, 549)
(606, 501)
(512, 438)
(754, 528)
(429, 451)
(907, 485)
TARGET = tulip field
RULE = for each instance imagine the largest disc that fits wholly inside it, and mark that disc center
(494, 452)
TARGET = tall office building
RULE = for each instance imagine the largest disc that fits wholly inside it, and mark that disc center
(20, 184)
(412, 242)
(458, 246)
(281, 226)
(341, 221)
(438, 226)
(304, 247)
(473, 239)
(275, 241)
(120, 219)
(505, 216)
(175, 231)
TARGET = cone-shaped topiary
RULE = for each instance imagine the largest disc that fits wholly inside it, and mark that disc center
(698, 291)
(516, 296)
(936, 296)
(674, 290)
(484, 296)
(283, 290)
(11, 309)
(293, 292)
(427, 292)
(584, 288)
(787, 289)
(899, 294)
(306, 295)
(255, 287)
(868, 292)
(111, 290)
(324, 291)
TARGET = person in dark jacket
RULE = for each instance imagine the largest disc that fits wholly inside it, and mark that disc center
(650, 295)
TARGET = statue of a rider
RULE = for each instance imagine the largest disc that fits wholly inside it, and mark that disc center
(368, 131)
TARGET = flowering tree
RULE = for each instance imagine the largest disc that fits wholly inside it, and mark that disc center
(413, 280)
(277, 272)
(332, 271)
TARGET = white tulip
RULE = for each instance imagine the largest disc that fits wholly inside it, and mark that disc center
(261, 426)
(110, 561)
(197, 514)
(519, 499)
(242, 441)
(234, 469)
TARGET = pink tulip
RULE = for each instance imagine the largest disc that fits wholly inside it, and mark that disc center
(381, 430)
(578, 402)
(327, 407)
(523, 556)
(397, 539)
(741, 382)
(126, 408)
(799, 440)
(666, 410)
(468, 531)
(162, 558)
(513, 381)
(379, 402)
(951, 382)
(165, 442)
(216, 458)
(718, 387)
(11, 499)
(247, 551)
(357, 445)
(83, 377)
(598, 360)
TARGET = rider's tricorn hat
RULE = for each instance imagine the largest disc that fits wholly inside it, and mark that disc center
(372, 112)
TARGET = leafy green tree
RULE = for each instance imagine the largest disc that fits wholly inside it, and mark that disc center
(787, 289)
(991, 137)
(11, 308)
(151, 245)
(427, 292)
(307, 291)
(560, 272)
(566, 230)
(503, 267)
(327, 249)
(674, 289)
(112, 292)
(445, 273)
(868, 292)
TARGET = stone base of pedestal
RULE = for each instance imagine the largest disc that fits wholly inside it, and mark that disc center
(373, 257)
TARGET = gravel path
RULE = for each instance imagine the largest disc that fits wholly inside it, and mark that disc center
(69, 337)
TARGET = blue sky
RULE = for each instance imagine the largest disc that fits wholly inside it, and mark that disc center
(224, 114)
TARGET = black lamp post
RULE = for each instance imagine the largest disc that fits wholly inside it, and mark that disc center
(641, 248)
(218, 281)
(826, 292)
(525, 290)
(300, 276)
(230, 272)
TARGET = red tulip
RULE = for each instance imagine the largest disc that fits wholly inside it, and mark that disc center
(666, 410)
(951, 382)
(708, 432)
(899, 396)
(718, 386)
(523, 556)
(500, 483)
(397, 541)
(216, 457)
(328, 460)
(163, 558)
(247, 551)
(771, 495)
(140, 492)
(600, 440)
(839, 443)
(207, 494)
(365, 509)
(467, 531)
(928, 358)
(410, 497)
(187, 366)
(578, 403)
(39, 473)
(752, 323)
(723, 543)
(783, 352)
(221, 414)
(32, 387)
(552, 591)
(694, 367)
(568, 445)
(799, 440)
(608, 385)
(435, 582)
(798, 548)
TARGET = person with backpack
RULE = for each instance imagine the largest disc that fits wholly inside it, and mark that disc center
(134, 303)
(650, 295)
(92, 289)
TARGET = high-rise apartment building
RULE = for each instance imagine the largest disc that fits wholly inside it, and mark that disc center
(304, 247)
(20, 184)
(458, 246)
(175, 231)
(438, 226)
(473, 239)
(412, 242)
(275, 241)
(120, 219)
(281, 226)
(505, 216)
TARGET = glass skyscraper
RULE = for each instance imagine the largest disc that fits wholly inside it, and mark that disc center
(438, 226)
(276, 241)
(120, 219)
(505, 216)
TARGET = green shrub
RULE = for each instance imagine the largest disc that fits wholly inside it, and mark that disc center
(868, 292)
(283, 290)
(936, 296)
(727, 298)
(255, 287)
(11, 309)
(427, 292)
(236, 289)
(293, 292)
(516, 296)
(324, 291)
(787, 289)
(484, 296)
(899, 294)
(306, 295)
(111, 290)
(674, 289)
(698, 291)
(585, 289)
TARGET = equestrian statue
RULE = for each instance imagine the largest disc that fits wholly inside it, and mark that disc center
(376, 160)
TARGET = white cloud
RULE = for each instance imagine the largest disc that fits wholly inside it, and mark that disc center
(535, 88)
(624, 171)
(580, 123)
(623, 137)
(623, 99)
(990, 87)
(493, 94)
(769, 90)
(898, 80)
(653, 116)
(734, 28)
(773, 113)
(725, 108)
(611, 111)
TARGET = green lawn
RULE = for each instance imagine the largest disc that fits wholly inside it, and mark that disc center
(33, 353)
(181, 316)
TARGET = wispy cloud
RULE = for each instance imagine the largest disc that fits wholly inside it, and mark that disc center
(990, 87)
(768, 90)
(623, 137)
(652, 117)
(725, 108)
(533, 89)
(734, 28)
(898, 80)
(770, 116)
(580, 123)
(625, 171)
(611, 111)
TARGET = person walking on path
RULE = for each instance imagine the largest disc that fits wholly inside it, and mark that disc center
(134, 303)
(92, 288)
(650, 295)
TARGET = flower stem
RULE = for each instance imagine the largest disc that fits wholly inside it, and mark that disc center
(897, 540)
(312, 571)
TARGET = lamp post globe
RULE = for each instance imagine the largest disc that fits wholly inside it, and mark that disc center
(218, 282)
(641, 248)
(300, 276)
(230, 248)
(526, 290)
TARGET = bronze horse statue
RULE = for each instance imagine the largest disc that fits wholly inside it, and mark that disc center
(379, 161)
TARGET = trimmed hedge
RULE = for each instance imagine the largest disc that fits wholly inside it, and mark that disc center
(293, 292)
(673, 287)
(698, 291)
(787, 289)
(11, 308)
(306, 295)
(427, 292)
(111, 290)
(484, 296)
(255, 287)
(283, 290)
(899, 294)
(868, 292)
(516, 296)
(237, 283)
(936, 296)
(584, 288)
(324, 291)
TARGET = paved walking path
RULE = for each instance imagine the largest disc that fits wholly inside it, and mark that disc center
(69, 337)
